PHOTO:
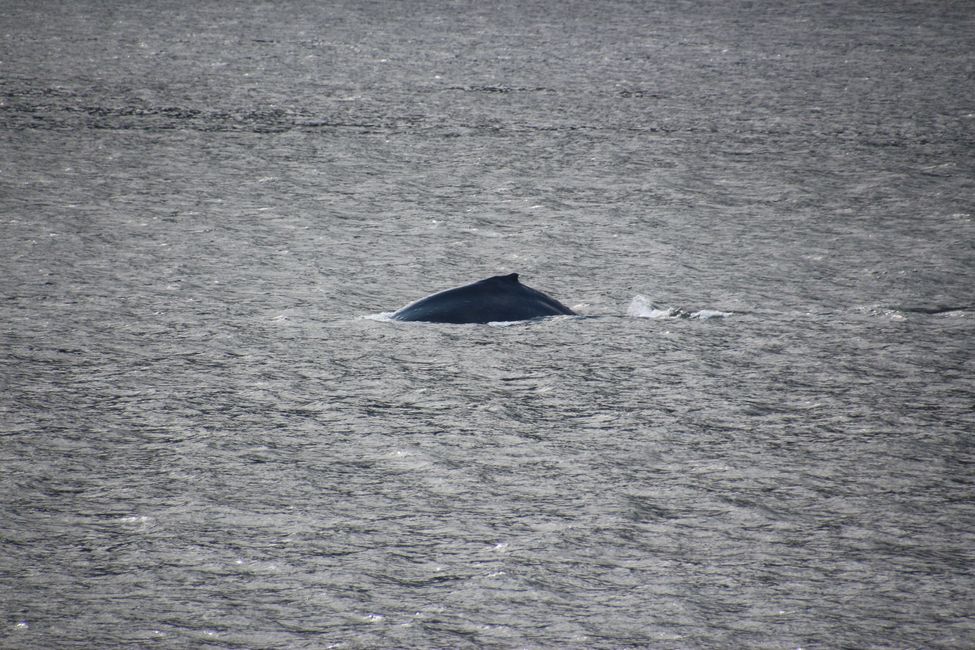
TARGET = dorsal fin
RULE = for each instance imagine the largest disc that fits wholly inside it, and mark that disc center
(511, 277)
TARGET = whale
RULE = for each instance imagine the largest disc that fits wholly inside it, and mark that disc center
(501, 298)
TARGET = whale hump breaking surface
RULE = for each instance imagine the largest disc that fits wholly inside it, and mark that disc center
(496, 299)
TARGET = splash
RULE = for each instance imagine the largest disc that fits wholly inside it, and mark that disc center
(643, 307)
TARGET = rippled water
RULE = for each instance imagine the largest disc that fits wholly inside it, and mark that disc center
(757, 434)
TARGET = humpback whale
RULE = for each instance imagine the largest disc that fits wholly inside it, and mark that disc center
(498, 298)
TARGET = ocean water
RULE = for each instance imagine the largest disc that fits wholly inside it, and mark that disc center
(758, 432)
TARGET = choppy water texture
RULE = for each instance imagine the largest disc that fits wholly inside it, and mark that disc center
(210, 439)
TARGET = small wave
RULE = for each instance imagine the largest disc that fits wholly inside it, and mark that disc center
(643, 307)
(901, 312)
(933, 310)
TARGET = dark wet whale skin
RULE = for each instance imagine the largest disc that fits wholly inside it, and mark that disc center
(495, 299)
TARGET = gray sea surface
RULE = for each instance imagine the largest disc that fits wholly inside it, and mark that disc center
(759, 432)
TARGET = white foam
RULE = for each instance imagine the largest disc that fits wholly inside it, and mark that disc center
(381, 316)
(643, 307)
(706, 314)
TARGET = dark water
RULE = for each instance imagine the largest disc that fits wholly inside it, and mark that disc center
(211, 437)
